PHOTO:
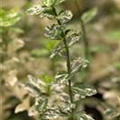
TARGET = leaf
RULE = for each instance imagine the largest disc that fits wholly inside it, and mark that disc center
(15, 45)
(57, 50)
(48, 80)
(89, 15)
(47, 12)
(34, 91)
(11, 77)
(49, 3)
(51, 45)
(32, 111)
(77, 64)
(38, 52)
(81, 91)
(82, 116)
(35, 10)
(67, 109)
(35, 86)
(117, 65)
(114, 34)
(41, 104)
(62, 77)
(59, 1)
(23, 106)
(50, 114)
(65, 16)
(9, 18)
(111, 112)
(71, 39)
(54, 32)
(41, 11)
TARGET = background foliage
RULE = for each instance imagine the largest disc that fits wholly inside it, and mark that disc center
(25, 51)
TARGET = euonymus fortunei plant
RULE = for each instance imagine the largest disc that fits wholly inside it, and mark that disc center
(58, 98)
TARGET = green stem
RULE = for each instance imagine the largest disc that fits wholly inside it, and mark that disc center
(68, 63)
(68, 58)
(85, 39)
(68, 68)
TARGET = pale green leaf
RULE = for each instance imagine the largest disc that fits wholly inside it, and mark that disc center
(41, 11)
(83, 116)
(54, 32)
(9, 18)
(49, 3)
(62, 77)
(65, 16)
(89, 15)
(41, 103)
(81, 91)
(78, 64)
(50, 114)
(111, 112)
(70, 39)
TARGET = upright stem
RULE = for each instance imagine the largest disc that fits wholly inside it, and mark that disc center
(68, 68)
(85, 39)
(68, 63)
(68, 58)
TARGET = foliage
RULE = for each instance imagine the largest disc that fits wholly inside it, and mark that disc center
(9, 61)
(8, 45)
(9, 18)
(56, 97)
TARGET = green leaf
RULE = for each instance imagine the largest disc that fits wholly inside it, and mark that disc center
(35, 86)
(62, 77)
(35, 10)
(57, 2)
(65, 16)
(77, 64)
(99, 48)
(111, 112)
(47, 12)
(34, 91)
(57, 50)
(117, 65)
(54, 32)
(51, 45)
(83, 116)
(81, 91)
(9, 18)
(47, 79)
(38, 52)
(41, 104)
(49, 3)
(41, 11)
(50, 114)
(89, 15)
(71, 39)
(113, 35)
